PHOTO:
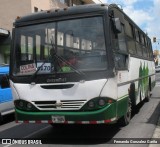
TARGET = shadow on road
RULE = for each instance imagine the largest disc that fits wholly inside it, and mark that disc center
(80, 134)
(76, 134)
(7, 118)
(155, 115)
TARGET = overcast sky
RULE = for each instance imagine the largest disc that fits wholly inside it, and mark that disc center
(145, 13)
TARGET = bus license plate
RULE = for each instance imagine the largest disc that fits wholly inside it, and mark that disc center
(58, 119)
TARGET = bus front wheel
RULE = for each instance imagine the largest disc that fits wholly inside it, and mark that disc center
(124, 120)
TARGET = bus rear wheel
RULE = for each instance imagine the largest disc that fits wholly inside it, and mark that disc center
(124, 120)
(147, 98)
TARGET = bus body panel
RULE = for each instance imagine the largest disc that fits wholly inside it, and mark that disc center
(110, 92)
(138, 73)
(85, 90)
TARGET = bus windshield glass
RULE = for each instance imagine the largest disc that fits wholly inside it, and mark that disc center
(58, 46)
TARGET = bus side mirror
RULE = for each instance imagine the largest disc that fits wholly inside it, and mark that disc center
(117, 25)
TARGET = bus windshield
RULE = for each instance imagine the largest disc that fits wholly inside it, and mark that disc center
(79, 42)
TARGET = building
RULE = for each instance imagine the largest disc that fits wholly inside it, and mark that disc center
(4, 46)
(10, 9)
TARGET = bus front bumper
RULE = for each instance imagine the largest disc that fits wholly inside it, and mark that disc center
(101, 116)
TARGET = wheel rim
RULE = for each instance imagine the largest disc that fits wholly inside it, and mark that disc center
(128, 115)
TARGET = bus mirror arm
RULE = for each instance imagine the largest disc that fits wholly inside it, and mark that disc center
(117, 25)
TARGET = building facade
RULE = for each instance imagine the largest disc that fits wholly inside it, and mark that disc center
(4, 46)
(10, 9)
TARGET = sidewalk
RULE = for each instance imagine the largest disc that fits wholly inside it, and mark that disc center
(156, 133)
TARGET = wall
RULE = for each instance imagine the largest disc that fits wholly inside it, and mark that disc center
(40, 4)
(10, 9)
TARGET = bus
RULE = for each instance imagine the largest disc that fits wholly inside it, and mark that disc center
(88, 64)
(6, 100)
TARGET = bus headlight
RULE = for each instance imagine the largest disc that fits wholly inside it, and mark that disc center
(97, 103)
(91, 104)
(101, 102)
(29, 106)
(24, 105)
(21, 104)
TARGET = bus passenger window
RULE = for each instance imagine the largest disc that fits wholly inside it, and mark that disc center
(130, 38)
(121, 40)
(120, 61)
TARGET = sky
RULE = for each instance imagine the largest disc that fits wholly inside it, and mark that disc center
(145, 13)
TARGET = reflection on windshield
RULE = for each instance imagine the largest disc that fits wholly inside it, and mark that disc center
(80, 42)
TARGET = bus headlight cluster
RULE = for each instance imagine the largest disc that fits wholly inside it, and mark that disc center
(97, 103)
(101, 102)
(91, 104)
(29, 106)
(24, 105)
(21, 104)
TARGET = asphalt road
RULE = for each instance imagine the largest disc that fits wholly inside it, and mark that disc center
(142, 126)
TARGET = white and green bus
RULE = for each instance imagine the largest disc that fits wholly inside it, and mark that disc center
(88, 64)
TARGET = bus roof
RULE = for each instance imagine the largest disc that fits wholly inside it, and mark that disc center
(52, 14)
(55, 13)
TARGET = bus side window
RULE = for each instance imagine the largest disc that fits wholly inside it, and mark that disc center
(4, 81)
(121, 40)
(121, 61)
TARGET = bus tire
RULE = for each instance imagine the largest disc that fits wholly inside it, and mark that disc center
(147, 98)
(132, 96)
(124, 120)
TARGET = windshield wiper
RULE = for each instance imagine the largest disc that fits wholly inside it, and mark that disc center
(53, 54)
(35, 73)
(59, 58)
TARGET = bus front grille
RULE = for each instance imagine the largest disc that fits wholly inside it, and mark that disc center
(62, 105)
